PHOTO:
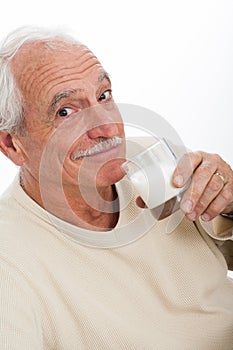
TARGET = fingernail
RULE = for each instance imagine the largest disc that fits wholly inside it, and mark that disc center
(187, 206)
(179, 180)
(205, 217)
(192, 216)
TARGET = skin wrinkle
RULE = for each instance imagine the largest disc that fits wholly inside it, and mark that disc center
(49, 69)
(67, 76)
(70, 92)
(85, 143)
(26, 84)
(29, 84)
(53, 104)
(49, 84)
(101, 77)
(61, 95)
(64, 72)
(80, 99)
(52, 82)
(44, 72)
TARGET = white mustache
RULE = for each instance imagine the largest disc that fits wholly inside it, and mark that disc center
(100, 147)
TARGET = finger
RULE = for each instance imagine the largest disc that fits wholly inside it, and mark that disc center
(219, 203)
(211, 191)
(200, 180)
(185, 168)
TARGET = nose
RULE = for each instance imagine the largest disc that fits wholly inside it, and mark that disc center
(105, 122)
(103, 130)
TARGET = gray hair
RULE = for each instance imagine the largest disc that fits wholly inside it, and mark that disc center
(11, 99)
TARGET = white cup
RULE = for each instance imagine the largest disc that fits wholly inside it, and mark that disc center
(150, 171)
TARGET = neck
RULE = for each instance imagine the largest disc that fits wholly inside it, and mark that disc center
(91, 208)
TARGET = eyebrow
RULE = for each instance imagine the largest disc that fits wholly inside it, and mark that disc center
(103, 76)
(64, 94)
(60, 95)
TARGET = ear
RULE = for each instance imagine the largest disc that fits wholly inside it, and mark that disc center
(11, 148)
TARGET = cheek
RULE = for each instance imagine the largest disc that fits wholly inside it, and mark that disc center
(34, 146)
(121, 129)
(110, 173)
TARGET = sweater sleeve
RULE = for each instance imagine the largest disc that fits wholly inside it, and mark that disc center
(20, 327)
(221, 230)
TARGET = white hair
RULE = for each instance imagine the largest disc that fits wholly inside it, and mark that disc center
(11, 99)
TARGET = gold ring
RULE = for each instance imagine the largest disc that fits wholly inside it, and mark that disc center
(221, 176)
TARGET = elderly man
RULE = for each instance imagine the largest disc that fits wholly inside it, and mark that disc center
(82, 265)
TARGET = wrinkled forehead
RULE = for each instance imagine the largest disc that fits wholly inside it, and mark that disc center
(46, 64)
(37, 55)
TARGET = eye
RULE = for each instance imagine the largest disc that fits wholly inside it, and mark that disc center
(64, 112)
(106, 95)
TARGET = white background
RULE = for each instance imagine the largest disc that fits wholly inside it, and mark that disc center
(172, 56)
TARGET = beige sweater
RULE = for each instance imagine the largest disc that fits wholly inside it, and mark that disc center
(160, 291)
